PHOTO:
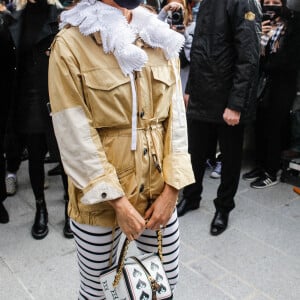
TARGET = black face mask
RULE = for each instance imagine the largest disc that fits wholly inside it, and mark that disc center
(273, 10)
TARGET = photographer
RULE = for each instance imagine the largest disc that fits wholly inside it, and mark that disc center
(279, 63)
(175, 13)
(180, 18)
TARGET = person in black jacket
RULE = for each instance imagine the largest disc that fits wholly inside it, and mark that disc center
(280, 62)
(221, 95)
(33, 30)
(6, 76)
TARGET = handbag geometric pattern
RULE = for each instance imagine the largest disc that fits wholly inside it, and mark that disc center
(137, 277)
(136, 284)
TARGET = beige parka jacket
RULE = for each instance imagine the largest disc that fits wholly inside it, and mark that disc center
(91, 102)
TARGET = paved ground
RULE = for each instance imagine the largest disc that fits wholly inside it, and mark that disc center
(257, 258)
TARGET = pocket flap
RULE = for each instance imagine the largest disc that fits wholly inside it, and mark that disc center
(164, 74)
(105, 79)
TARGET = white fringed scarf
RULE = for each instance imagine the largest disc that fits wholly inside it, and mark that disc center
(118, 37)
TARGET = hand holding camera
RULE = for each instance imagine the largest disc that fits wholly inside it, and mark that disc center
(266, 27)
(175, 15)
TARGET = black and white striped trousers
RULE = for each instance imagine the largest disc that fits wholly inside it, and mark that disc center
(94, 245)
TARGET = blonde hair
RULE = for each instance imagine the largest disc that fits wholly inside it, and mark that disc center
(20, 4)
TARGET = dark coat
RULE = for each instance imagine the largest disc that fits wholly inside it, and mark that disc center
(224, 60)
(6, 78)
(7, 66)
(32, 116)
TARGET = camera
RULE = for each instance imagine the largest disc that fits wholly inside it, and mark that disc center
(177, 17)
(269, 15)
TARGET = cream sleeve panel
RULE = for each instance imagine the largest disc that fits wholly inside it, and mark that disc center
(82, 154)
(177, 168)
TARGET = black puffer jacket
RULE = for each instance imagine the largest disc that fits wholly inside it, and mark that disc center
(224, 60)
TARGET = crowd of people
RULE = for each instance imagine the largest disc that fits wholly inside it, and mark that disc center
(135, 109)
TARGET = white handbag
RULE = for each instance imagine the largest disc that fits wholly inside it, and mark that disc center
(137, 277)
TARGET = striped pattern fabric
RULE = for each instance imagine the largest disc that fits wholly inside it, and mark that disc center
(94, 246)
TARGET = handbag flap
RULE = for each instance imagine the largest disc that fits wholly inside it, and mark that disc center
(134, 284)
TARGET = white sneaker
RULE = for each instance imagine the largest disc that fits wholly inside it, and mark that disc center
(11, 185)
(216, 173)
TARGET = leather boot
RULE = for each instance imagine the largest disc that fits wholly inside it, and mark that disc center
(67, 229)
(40, 228)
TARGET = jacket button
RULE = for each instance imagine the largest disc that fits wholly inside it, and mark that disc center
(142, 187)
(103, 195)
(145, 151)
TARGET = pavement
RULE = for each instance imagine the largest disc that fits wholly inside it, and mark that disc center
(257, 258)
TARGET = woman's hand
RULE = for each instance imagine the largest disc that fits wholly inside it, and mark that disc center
(161, 210)
(266, 27)
(130, 221)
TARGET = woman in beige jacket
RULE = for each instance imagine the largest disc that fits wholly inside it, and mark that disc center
(120, 124)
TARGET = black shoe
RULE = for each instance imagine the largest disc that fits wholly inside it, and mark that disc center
(4, 218)
(219, 223)
(253, 174)
(40, 228)
(68, 233)
(264, 181)
(186, 205)
(55, 171)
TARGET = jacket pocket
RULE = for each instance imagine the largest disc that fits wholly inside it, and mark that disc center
(108, 96)
(163, 88)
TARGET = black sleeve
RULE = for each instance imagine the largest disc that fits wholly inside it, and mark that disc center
(245, 19)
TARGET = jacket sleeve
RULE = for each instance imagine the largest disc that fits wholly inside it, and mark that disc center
(177, 168)
(245, 20)
(82, 154)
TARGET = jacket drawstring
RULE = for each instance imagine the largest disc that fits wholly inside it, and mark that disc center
(134, 114)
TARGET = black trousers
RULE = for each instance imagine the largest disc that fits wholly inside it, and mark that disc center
(272, 127)
(37, 147)
(2, 164)
(201, 136)
(4, 108)
(14, 146)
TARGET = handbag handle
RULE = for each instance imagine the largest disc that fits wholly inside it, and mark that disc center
(123, 254)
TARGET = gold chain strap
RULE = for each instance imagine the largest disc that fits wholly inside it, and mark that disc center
(121, 264)
(159, 245)
(124, 253)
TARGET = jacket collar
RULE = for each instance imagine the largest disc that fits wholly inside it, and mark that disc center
(118, 37)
